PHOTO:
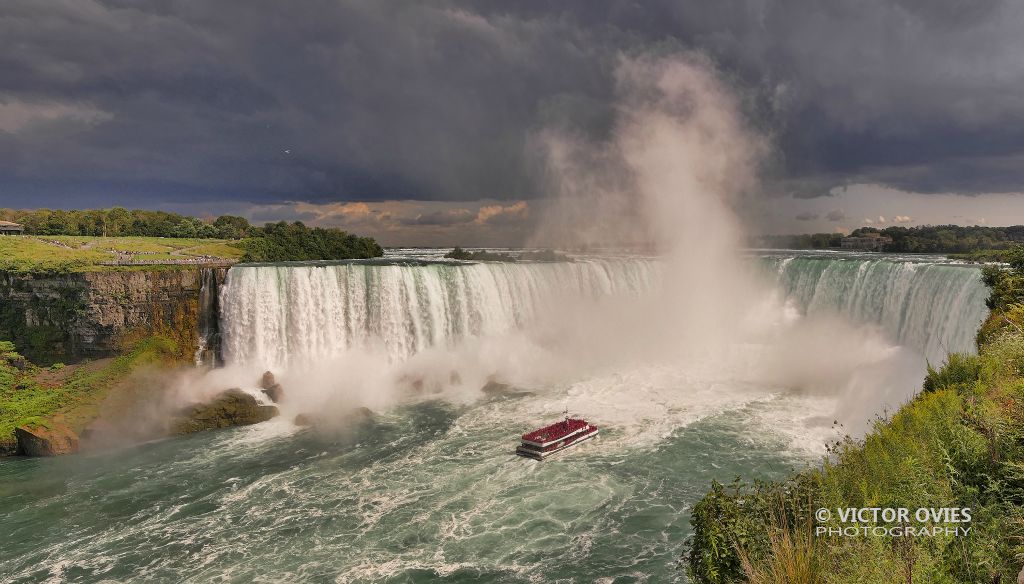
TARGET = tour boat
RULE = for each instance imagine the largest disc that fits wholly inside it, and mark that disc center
(548, 440)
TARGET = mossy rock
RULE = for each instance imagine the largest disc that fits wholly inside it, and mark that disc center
(230, 408)
(53, 439)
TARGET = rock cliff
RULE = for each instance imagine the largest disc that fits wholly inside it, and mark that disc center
(67, 317)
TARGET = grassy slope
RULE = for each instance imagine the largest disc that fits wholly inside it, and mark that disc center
(64, 253)
(31, 396)
(960, 443)
(982, 255)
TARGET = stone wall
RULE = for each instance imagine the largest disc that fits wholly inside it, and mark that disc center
(68, 317)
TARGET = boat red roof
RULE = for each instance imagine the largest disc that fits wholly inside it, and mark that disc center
(556, 430)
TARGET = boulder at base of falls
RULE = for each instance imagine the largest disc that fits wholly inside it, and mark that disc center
(271, 387)
(230, 408)
(54, 439)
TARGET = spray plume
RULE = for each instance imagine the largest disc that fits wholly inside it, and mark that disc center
(677, 163)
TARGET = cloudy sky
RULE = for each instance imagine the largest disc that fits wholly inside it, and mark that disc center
(416, 121)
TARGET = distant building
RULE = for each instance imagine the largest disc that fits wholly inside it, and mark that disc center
(866, 242)
(8, 228)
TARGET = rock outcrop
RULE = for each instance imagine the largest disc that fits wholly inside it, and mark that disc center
(52, 440)
(67, 317)
(230, 408)
(271, 387)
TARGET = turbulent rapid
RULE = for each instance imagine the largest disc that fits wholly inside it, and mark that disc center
(428, 490)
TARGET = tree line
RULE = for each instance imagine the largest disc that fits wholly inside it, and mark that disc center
(282, 241)
(274, 242)
(947, 238)
(922, 239)
(121, 222)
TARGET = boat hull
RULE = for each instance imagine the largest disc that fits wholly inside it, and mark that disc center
(542, 454)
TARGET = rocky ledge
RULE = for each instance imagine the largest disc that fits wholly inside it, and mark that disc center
(53, 439)
(230, 408)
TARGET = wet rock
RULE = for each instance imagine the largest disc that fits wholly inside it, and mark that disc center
(267, 380)
(54, 439)
(271, 387)
(497, 389)
(8, 447)
(305, 420)
(230, 408)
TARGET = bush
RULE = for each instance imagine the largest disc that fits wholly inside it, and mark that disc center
(960, 371)
(282, 242)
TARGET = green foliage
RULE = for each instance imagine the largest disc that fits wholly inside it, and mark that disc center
(480, 256)
(544, 255)
(729, 524)
(26, 397)
(59, 254)
(804, 241)
(982, 255)
(281, 242)
(1006, 283)
(947, 238)
(967, 242)
(960, 372)
(960, 443)
(28, 254)
(120, 222)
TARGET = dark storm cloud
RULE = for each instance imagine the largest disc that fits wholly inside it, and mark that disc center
(190, 100)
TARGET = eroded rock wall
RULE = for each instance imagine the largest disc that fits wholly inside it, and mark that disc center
(68, 317)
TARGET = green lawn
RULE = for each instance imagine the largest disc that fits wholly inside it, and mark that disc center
(68, 253)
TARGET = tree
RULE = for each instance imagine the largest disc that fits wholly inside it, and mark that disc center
(231, 226)
(117, 221)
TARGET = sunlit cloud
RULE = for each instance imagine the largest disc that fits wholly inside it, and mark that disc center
(432, 223)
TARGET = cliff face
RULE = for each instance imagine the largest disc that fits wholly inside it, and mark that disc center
(67, 317)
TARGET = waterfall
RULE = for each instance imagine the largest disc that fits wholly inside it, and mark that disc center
(281, 315)
(934, 308)
(208, 345)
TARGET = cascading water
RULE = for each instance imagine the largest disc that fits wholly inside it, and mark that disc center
(275, 316)
(427, 490)
(932, 307)
(208, 345)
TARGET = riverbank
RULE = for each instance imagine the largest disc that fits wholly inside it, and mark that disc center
(958, 444)
(69, 397)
